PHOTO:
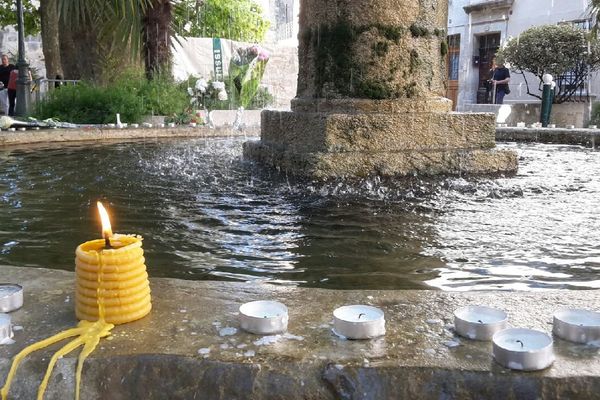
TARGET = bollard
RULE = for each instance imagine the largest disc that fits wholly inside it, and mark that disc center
(547, 98)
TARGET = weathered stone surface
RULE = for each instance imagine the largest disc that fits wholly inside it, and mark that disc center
(586, 137)
(378, 49)
(323, 165)
(158, 357)
(370, 91)
(12, 138)
(369, 106)
(389, 132)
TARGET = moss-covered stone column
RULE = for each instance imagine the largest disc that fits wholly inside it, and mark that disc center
(373, 49)
(370, 98)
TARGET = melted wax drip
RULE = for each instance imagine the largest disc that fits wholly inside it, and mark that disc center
(87, 334)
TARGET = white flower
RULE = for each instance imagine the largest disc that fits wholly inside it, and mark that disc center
(218, 85)
(201, 85)
(193, 100)
(222, 96)
(187, 26)
(190, 91)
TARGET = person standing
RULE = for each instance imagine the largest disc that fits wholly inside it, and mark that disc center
(12, 91)
(500, 80)
(5, 69)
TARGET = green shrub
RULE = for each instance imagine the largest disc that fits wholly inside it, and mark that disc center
(130, 95)
(595, 117)
(88, 104)
(163, 96)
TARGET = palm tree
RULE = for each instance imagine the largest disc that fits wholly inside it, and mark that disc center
(143, 27)
(156, 37)
(594, 8)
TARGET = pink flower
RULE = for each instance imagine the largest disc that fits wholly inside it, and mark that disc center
(263, 55)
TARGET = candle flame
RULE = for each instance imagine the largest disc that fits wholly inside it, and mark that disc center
(106, 228)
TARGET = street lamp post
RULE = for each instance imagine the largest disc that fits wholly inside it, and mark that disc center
(23, 78)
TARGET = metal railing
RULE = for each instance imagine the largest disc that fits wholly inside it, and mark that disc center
(41, 86)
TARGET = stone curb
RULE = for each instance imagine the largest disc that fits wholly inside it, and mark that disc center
(13, 138)
(585, 137)
(190, 346)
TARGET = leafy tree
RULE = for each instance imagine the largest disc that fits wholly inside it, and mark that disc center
(240, 20)
(563, 51)
(31, 16)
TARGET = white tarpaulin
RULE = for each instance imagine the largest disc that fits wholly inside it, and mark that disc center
(194, 56)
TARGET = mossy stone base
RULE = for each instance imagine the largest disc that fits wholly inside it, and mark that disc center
(341, 144)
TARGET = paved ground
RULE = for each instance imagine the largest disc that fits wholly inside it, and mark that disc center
(190, 346)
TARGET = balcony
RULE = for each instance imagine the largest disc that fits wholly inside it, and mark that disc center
(480, 5)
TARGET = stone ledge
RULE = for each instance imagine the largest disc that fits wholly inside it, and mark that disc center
(323, 132)
(322, 165)
(10, 138)
(157, 357)
(369, 106)
(585, 137)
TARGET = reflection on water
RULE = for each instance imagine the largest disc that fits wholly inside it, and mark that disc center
(205, 214)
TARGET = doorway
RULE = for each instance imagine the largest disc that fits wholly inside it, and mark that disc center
(452, 61)
(488, 47)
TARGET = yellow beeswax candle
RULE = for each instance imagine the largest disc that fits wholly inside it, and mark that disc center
(111, 288)
(118, 275)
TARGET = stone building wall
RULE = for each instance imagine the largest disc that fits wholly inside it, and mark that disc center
(33, 50)
(508, 18)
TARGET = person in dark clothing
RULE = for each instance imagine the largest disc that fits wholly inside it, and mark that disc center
(500, 80)
(5, 68)
(12, 91)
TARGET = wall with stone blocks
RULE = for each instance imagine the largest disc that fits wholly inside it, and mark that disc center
(577, 114)
(33, 50)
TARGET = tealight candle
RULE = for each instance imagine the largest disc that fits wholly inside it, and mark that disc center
(264, 317)
(579, 326)
(11, 297)
(6, 332)
(359, 322)
(523, 349)
(478, 322)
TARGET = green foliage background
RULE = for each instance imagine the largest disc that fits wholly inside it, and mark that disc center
(130, 95)
(31, 16)
(239, 20)
(553, 49)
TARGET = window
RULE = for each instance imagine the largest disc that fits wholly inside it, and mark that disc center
(569, 80)
(453, 57)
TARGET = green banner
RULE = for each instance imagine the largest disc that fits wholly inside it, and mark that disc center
(218, 59)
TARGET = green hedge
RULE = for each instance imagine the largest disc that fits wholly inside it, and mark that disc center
(131, 95)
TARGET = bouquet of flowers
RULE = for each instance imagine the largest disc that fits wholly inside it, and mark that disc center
(246, 70)
(202, 94)
(204, 90)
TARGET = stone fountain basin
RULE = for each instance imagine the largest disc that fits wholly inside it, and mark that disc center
(190, 346)
(92, 134)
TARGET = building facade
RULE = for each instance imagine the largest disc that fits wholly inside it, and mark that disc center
(478, 28)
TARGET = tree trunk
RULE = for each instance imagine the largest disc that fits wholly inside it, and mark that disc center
(50, 38)
(157, 38)
(80, 52)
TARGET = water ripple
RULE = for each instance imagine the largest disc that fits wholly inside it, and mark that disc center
(207, 214)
